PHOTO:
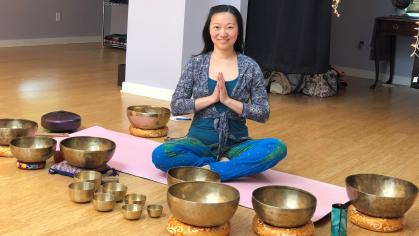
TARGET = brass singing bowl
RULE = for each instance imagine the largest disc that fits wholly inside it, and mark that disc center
(135, 198)
(379, 195)
(33, 149)
(148, 117)
(15, 128)
(203, 204)
(189, 173)
(132, 211)
(89, 176)
(154, 210)
(283, 206)
(87, 152)
(103, 201)
(117, 189)
(81, 192)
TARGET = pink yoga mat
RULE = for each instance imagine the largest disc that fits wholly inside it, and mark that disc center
(133, 156)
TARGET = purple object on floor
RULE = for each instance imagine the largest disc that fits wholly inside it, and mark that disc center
(61, 121)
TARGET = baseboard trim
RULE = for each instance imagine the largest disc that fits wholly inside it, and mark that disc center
(368, 74)
(49, 41)
(147, 91)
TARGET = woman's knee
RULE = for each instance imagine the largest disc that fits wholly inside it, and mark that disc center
(159, 157)
(276, 148)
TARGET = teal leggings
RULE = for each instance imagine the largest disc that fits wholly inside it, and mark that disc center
(247, 158)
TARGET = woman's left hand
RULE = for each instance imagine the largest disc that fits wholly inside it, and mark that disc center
(222, 88)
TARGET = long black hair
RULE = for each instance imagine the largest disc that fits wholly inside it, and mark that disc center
(206, 37)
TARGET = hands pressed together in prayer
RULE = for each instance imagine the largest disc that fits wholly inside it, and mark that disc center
(220, 95)
(220, 92)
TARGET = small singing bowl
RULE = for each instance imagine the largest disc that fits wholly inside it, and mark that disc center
(87, 152)
(89, 176)
(117, 189)
(15, 128)
(135, 198)
(189, 173)
(33, 149)
(148, 117)
(203, 204)
(132, 211)
(103, 201)
(81, 192)
(283, 206)
(379, 195)
(154, 210)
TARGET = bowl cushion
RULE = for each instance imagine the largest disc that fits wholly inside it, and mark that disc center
(61, 121)
(374, 223)
(30, 166)
(178, 228)
(263, 229)
(5, 151)
(148, 133)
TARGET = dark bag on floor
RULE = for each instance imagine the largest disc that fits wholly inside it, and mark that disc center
(321, 85)
(279, 83)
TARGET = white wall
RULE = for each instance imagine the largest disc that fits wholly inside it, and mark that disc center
(154, 52)
(162, 36)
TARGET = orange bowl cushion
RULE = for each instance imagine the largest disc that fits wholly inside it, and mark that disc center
(148, 133)
(374, 223)
(177, 228)
(263, 229)
(5, 151)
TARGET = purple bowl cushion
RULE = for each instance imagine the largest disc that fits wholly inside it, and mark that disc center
(61, 121)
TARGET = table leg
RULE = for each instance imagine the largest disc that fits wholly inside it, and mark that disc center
(392, 58)
(377, 70)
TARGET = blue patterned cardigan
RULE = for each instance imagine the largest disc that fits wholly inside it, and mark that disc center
(250, 90)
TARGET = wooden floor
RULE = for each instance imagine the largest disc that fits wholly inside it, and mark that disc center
(359, 131)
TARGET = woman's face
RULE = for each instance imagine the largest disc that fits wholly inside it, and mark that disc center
(223, 30)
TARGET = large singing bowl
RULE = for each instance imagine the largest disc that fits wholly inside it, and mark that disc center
(15, 128)
(283, 206)
(33, 149)
(379, 195)
(87, 152)
(191, 173)
(203, 204)
(148, 117)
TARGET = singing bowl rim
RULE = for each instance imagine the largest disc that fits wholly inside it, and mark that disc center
(132, 110)
(64, 143)
(34, 124)
(170, 189)
(349, 180)
(16, 132)
(173, 179)
(314, 199)
(51, 147)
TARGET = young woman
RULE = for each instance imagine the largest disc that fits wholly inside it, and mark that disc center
(223, 88)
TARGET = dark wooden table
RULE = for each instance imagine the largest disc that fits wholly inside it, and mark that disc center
(383, 43)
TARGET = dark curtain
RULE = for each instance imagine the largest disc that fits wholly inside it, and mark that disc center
(290, 36)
